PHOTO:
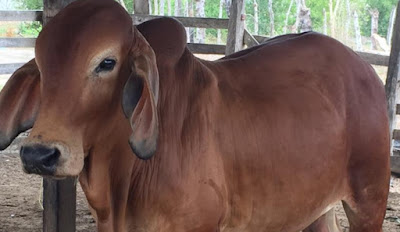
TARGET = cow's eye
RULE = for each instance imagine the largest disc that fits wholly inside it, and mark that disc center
(106, 65)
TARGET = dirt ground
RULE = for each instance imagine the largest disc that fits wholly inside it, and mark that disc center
(20, 212)
(19, 194)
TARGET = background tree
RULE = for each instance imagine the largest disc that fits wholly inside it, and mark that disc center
(339, 16)
(200, 32)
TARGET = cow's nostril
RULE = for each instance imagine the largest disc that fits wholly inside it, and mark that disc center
(50, 159)
(39, 159)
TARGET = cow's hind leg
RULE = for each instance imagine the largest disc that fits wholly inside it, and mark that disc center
(365, 206)
(366, 215)
(326, 223)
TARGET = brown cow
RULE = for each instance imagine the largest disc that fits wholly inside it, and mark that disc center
(268, 139)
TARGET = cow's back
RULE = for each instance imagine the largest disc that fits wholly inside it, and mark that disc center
(302, 114)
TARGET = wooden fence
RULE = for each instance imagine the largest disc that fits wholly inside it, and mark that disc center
(248, 39)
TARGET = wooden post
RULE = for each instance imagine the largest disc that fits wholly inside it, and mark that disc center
(59, 200)
(235, 27)
(141, 7)
(59, 196)
(52, 7)
(393, 75)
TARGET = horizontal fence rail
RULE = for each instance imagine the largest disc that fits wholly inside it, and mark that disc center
(136, 18)
(24, 15)
(186, 21)
(215, 49)
(374, 59)
(249, 40)
(9, 68)
(17, 42)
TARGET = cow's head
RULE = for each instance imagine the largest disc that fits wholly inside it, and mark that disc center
(91, 67)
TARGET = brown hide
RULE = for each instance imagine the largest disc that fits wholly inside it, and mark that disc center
(268, 139)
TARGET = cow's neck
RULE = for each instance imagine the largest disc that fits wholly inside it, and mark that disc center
(185, 103)
(117, 184)
(113, 179)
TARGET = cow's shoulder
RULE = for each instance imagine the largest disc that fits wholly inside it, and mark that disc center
(166, 36)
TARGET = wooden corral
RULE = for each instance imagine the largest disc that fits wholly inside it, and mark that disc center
(60, 196)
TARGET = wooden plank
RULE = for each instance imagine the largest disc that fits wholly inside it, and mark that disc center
(395, 165)
(24, 15)
(60, 205)
(50, 203)
(396, 135)
(235, 27)
(374, 59)
(249, 39)
(393, 74)
(261, 39)
(186, 21)
(52, 7)
(141, 7)
(207, 48)
(59, 196)
(17, 42)
(67, 205)
(9, 68)
(137, 19)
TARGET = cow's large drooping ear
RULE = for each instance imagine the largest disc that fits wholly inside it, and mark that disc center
(19, 103)
(140, 98)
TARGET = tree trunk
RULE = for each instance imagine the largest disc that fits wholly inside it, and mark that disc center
(374, 27)
(255, 5)
(201, 32)
(357, 32)
(187, 15)
(271, 19)
(191, 14)
(305, 18)
(325, 30)
(228, 7)
(332, 17)
(295, 27)
(169, 7)
(221, 5)
(150, 7)
(287, 17)
(156, 7)
(162, 6)
(390, 27)
(347, 25)
(178, 6)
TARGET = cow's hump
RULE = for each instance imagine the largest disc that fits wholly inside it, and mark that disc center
(166, 36)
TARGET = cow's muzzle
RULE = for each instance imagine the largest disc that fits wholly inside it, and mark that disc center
(39, 159)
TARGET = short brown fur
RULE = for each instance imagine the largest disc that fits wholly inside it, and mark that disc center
(268, 139)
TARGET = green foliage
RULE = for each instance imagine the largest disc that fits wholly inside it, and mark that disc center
(384, 7)
(3, 31)
(317, 13)
(280, 8)
(29, 4)
(31, 29)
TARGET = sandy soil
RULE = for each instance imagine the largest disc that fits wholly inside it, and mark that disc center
(19, 194)
(20, 212)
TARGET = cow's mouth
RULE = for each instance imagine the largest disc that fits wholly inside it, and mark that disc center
(40, 159)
